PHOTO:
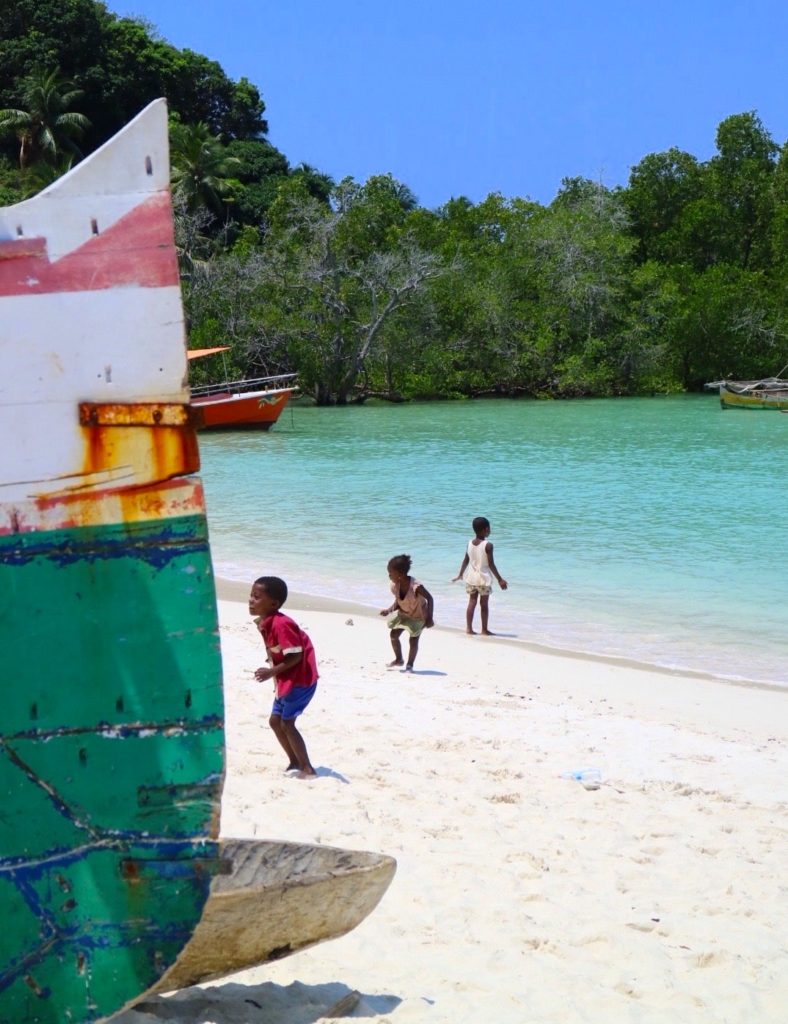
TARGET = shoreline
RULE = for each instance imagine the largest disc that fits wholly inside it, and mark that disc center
(236, 591)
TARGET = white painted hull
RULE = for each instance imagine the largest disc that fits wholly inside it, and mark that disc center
(91, 311)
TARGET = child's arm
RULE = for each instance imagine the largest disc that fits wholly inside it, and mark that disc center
(390, 610)
(272, 671)
(430, 604)
(501, 581)
(463, 567)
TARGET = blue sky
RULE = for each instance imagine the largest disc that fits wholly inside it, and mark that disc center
(459, 98)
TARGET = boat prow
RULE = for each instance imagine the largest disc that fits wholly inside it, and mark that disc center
(277, 898)
(112, 731)
(112, 734)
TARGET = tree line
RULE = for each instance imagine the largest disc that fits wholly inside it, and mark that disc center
(677, 278)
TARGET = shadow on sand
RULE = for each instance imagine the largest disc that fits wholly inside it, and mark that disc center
(268, 1003)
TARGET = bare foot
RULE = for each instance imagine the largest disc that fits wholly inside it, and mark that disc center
(486, 632)
(397, 663)
(409, 667)
(311, 774)
(471, 632)
(294, 767)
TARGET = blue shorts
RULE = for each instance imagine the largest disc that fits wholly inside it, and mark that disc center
(294, 703)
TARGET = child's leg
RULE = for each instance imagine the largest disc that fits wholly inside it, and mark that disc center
(484, 609)
(396, 646)
(413, 650)
(276, 723)
(470, 611)
(296, 741)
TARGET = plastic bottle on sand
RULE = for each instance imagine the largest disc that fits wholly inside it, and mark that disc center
(589, 778)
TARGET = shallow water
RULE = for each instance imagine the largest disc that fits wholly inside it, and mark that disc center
(649, 529)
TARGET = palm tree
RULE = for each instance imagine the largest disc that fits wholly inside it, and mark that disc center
(317, 184)
(45, 127)
(201, 169)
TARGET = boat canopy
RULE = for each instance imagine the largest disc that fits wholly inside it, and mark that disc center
(198, 353)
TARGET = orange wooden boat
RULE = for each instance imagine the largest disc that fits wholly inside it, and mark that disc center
(251, 404)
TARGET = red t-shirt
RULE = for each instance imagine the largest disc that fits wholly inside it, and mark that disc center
(282, 636)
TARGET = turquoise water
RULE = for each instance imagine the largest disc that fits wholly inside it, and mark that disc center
(650, 529)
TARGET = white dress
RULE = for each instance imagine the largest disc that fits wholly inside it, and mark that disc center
(478, 572)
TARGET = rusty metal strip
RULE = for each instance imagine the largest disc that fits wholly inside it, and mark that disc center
(141, 414)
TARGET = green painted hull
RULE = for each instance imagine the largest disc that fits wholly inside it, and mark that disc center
(111, 734)
(111, 761)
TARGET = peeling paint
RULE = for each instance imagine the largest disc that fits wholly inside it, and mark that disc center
(111, 739)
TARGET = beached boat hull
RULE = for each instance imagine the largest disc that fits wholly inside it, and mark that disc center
(255, 411)
(111, 738)
(273, 899)
(112, 732)
(755, 398)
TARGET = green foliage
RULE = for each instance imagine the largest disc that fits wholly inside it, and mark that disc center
(319, 186)
(678, 278)
(777, 234)
(660, 188)
(11, 188)
(260, 170)
(317, 294)
(741, 178)
(727, 326)
(202, 171)
(121, 64)
(630, 291)
(43, 125)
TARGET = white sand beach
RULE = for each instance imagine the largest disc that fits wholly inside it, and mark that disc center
(520, 895)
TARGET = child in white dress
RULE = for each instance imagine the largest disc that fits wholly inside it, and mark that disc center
(478, 569)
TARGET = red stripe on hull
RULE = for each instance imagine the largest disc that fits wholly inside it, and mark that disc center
(169, 499)
(137, 250)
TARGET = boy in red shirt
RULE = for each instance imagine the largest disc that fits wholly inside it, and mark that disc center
(291, 664)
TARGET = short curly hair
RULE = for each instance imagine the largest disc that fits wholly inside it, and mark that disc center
(274, 587)
(400, 563)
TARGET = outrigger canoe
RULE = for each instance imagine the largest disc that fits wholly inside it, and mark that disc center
(112, 732)
(768, 393)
